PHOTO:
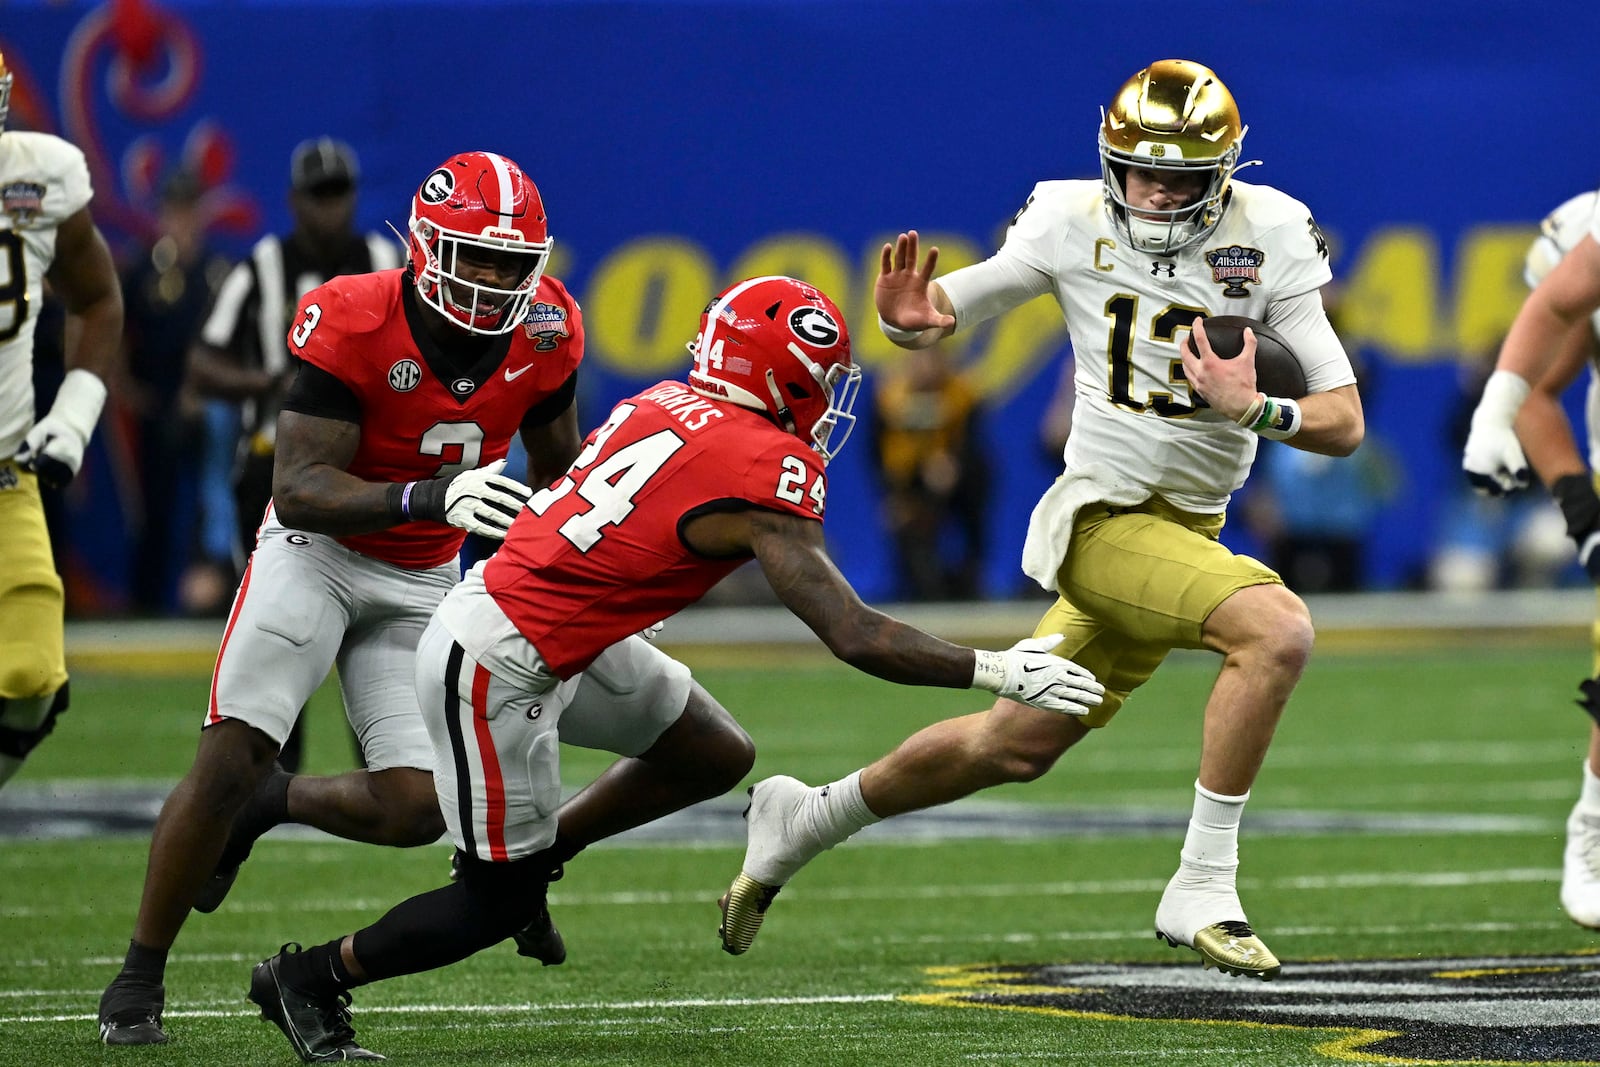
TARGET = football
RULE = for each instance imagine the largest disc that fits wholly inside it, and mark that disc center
(1278, 372)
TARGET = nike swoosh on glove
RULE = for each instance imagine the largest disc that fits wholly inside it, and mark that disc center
(1029, 672)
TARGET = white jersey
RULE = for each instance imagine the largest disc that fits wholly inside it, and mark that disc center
(43, 181)
(1135, 420)
(1559, 233)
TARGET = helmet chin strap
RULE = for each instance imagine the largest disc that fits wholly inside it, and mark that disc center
(785, 416)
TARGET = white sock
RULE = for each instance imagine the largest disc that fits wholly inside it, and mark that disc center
(833, 812)
(1589, 798)
(1212, 842)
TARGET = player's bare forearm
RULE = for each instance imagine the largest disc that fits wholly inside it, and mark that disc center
(85, 276)
(1547, 438)
(1332, 423)
(797, 567)
(312, 491)
(552, 447)
(1542, 424)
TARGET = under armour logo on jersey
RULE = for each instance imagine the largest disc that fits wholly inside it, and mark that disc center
(463, 386)
(1161, 269)
(404, 376)
(437, 187)
(814, 326)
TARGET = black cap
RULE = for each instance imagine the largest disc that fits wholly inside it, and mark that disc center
(182, 186)
(323, 165)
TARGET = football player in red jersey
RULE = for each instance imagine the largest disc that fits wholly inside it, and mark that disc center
(409, 387)
(681, 484)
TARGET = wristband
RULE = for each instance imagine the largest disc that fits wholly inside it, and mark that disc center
(895, 333)
(79, 400)
(1278, 420)
(1253, 412)
(988, 670)
(1503, 395)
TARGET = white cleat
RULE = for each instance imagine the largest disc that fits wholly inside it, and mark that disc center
(1580, 871)
(772, 856)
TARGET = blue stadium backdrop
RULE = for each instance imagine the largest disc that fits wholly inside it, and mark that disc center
(679, 144)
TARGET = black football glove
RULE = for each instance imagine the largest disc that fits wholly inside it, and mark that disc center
(1575, 493)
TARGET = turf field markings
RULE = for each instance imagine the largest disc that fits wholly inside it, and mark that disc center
(1370, 880)
(497, 1009)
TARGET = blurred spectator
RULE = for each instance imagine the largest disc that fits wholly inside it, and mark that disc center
(1057, 421)
(242, 354)
(934, 475)
(1488, 542)
(165, 293)
(1314, 515)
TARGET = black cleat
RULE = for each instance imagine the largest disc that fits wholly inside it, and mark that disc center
(253, 820)
(540, 940)
(318, 1028)
(130, 1013)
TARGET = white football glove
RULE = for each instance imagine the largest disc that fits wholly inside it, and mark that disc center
(653, 631)
(53, 449)
(1493, 456)
(484, 501)
(1029, 672)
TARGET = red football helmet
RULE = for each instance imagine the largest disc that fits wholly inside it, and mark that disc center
(478, 242)
(779, 345)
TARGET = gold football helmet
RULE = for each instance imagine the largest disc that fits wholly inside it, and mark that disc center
(5, 91)
(1177, 116)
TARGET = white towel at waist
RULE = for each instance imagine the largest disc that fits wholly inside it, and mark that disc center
(1050, 527)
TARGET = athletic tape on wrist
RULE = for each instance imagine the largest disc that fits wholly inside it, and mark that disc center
(1279, 419)
(895, 333)
(1253, 412)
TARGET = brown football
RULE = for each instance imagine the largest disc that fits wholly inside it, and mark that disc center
(1278, 372)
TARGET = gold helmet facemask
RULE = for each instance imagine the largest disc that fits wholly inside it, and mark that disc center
(5, 91)
(1174, 116)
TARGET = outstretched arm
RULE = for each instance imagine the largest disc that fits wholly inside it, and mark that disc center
(913, 310)
(793, 557)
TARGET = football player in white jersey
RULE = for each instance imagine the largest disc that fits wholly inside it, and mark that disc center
(46, 232)
(1127, 537)
(1552, 340)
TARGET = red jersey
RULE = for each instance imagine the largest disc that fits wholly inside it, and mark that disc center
(598, 555)
(424, 415)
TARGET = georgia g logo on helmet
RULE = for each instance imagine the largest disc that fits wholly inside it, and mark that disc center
(814, 326)
(437, 187)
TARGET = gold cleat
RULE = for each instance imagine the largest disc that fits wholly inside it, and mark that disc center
(1232, 948)
(743, 906)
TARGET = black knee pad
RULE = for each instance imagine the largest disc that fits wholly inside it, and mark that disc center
(1590, 688)
(16, 742)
